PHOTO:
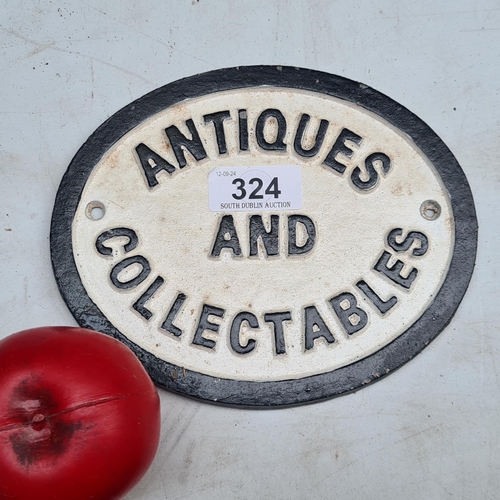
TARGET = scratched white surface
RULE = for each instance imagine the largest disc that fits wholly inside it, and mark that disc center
(430, 430)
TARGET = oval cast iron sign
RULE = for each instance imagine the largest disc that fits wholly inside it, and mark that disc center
(265, 236)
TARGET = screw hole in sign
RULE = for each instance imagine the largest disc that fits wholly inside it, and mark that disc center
(95, 210)
(430, 210)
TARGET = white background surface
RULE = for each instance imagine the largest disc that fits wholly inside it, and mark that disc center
(432, 429)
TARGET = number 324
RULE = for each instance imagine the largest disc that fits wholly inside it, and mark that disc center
(241, 192)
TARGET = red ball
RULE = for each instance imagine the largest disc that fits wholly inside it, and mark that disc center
(79, 416)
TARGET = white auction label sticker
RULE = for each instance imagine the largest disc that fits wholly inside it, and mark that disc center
(255, 189)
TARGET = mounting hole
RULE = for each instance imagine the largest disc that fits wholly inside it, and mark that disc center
(430, 209)
(95, 210)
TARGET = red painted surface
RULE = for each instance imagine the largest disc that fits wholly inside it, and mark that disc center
(79, 416)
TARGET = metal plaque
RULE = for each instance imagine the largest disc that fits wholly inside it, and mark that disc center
(265, 236)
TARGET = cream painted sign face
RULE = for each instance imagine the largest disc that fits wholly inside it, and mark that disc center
(265, 236)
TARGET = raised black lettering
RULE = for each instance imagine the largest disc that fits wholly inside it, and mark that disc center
(278, 144)
(235, 332)
(218, 120)
(407, 242)
(352, 317)
(152, 163)
(205, 324)
(227, 237)
(132, 282)
(394, 272)
(381, 305)
(318, 142)
(116, 233)
(269, 239)
(243, 129)
(140, 304)
(293, 247)
(178, 141)
(340, 147)
(277, 319)
(370, 170)
(314, 328)
(168, 324)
